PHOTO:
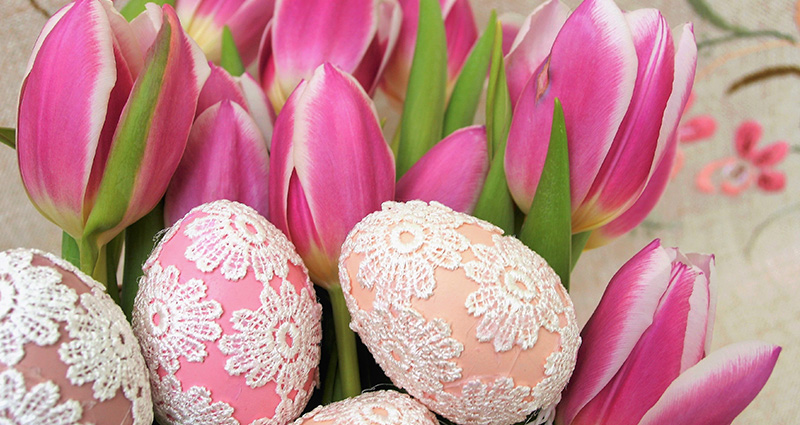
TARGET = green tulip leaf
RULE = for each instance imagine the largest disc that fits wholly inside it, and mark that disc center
(140, 239)
(469, 86)
(133, 8)
(231, 60)
(548, 227)
(423, 110)
(8, 137)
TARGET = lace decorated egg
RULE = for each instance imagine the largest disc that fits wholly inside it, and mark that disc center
(374, 408)
(472, 323)
(228, 321)
(67, 353)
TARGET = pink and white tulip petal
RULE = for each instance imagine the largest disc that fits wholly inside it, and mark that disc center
(718, 388)
(452, 172)
(226, 158)
(219, 86)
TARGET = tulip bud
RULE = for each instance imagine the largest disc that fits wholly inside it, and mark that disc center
(357, 36)
(645, 357)
(461, 32)
(330, 166)
(101, 129)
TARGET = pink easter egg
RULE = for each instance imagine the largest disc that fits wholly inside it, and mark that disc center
(472, 323)
(228, 321)
(373, 408)
(67, 353)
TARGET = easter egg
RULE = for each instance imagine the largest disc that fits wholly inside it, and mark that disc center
(228, 321)
(373, 408)
(67, 353)
(472, 323)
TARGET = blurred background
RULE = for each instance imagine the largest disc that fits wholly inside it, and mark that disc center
(717, 202)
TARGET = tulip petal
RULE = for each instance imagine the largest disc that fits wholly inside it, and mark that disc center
(62, 111)
(717, 389)
(452, 172)
(461, 33)
(532, 44)
(152, 132)
(247, 24)
(257, 105)
(511, 23)
(629, 303)
(314, 27)
(219, 86)
(706, 264)
(225, 158)
(592, 67)
(632, 157)
(369, 72)
(702, 306)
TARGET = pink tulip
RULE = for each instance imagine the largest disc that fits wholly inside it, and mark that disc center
(330, 166)
(226, 156)
(645, 354)
(460, 31)
(357, 36)
(623, 88)
(102, 125)
(204, 21)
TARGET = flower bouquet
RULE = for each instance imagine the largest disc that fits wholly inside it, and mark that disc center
(248, 240)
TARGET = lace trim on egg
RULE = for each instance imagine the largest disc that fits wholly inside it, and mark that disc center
(173, 319)
(193, 406)
(375, 408)
(400, 265)
(233, 237)
(39, 405)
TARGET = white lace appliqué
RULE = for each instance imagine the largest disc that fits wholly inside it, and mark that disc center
(32, 302)
(172, 319)
(375, 408)
(233, 237)
(104, 351)
(399, 264)
(173, 405)
(497, 404)
(20, 406)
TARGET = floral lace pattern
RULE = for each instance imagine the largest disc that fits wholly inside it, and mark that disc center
(233, 237)
(171, 319)
(194, 406)
(517, 296)
(423, 358)
(278, 342)
(32, 302)
(375, 408)
(20, 406)
(480, 404)
(104, 351)
(400, 263)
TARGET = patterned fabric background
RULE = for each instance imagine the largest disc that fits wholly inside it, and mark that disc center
(721, 199)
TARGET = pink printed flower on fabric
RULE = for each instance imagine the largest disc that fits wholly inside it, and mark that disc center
(698, 128)
(751, 165)
(460, 32)
(645, 357)
(103, 124)
(357, 36)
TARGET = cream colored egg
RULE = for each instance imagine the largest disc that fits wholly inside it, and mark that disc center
(373, 408)
(472, 323)
(67, 353)
(228, 321)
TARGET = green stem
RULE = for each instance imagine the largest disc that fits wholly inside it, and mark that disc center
(578, 243)
(345, 345)
(139, 242)
(101, 273)
(330, 379)
(70, 250)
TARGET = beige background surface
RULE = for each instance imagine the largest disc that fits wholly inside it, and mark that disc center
(755, 236)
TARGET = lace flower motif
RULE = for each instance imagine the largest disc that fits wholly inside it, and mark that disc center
(559, 366)
(413, 352)
(517, 296)
(172, 320)
(20, 406)
(32, 302)
(480, 404)
(173, 405)
(278, 342)
(400, 263)
(233, 237)
(375, 408)
(104, 351)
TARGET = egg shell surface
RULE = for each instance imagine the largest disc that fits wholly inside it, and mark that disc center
(228, 320)
(68, 354)
(470, 322)
(372, 408)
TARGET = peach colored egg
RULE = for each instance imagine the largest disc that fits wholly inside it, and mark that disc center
(374, 408)
(67, 353)
(471, 323)
(228, 321)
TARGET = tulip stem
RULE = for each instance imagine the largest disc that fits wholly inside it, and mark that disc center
(140, 237)
(578, 243)
(345, 345)
(70, 250)
(330, 379)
